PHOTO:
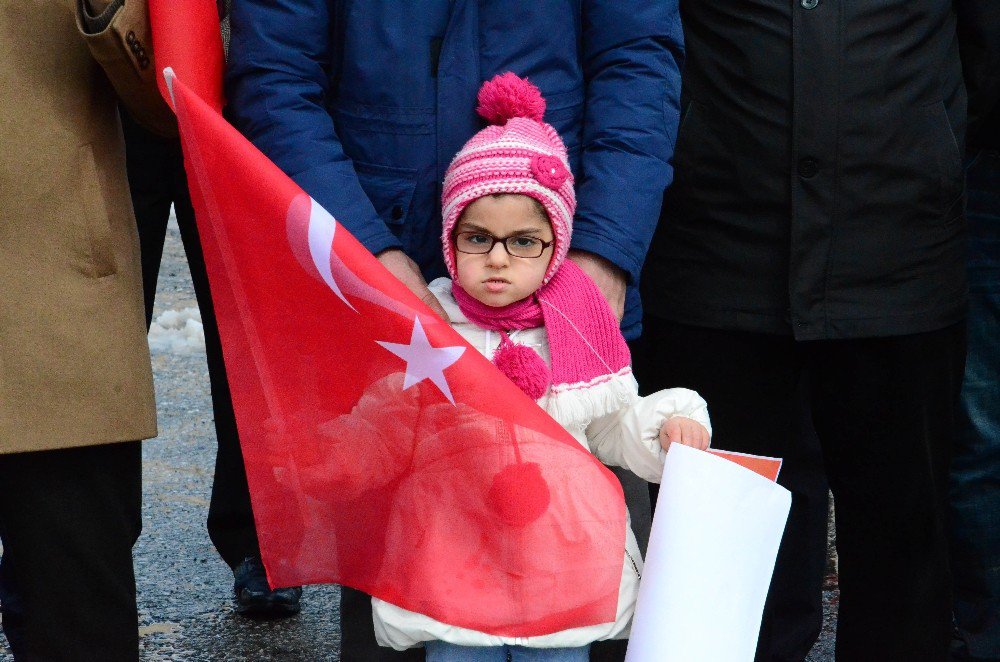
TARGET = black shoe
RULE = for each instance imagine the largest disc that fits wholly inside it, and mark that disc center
(254, 596)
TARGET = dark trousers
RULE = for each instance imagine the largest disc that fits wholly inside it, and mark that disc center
(156, 177)
(975, 475)
(68, 521)
(357, 642)
(796, 604)
(883, 411)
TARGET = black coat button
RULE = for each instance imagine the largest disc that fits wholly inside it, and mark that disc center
(809, 4)
(397, 212)
(808, 168)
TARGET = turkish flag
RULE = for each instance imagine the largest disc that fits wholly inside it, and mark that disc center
(382, 451)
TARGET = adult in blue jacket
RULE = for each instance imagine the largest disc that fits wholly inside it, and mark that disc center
(364, 104)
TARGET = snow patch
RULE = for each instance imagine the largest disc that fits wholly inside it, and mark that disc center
(177, 332)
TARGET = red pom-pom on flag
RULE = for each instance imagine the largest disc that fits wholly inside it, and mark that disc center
(507, 96)
(519, 494)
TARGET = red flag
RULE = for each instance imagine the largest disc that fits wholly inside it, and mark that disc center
(187, 39)
(381, 450)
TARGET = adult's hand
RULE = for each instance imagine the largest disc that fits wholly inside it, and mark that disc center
(407, 271)
(609, 277)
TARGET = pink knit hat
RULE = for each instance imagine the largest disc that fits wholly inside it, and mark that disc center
(518, 153)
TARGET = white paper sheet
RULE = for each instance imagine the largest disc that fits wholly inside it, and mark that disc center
(711, 553)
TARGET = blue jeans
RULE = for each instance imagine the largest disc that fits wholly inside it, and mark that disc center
(440, 651)
(975, 476)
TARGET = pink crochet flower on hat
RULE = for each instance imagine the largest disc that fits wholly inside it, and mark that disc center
(549, 171)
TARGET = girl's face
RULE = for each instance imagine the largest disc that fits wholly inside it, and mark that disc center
(499, 276)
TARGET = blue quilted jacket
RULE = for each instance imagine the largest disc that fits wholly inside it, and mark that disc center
(365, 102)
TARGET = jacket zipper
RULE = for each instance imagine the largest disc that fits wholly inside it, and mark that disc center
(634, 566)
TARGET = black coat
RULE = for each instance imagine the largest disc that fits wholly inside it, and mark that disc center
(818, 169)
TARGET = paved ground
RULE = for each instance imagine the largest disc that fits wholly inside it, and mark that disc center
(184, 588)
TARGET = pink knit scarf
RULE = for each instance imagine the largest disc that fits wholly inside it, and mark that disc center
(585, 341)
(523, 314)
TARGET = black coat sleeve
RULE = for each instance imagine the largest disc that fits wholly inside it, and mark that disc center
(979, 44)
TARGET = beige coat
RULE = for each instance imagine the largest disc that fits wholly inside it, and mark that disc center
(74, 363)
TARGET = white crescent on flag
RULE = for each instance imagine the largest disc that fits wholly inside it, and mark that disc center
(322, 228)
(311, 239)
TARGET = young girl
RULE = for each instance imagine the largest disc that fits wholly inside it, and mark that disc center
(508, 216)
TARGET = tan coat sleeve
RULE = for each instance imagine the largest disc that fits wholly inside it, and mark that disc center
(120, 39)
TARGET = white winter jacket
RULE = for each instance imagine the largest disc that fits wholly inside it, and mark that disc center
(628, 437)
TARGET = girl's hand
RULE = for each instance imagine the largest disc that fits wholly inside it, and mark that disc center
(685, 431)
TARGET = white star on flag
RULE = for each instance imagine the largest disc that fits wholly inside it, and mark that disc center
(424, 361)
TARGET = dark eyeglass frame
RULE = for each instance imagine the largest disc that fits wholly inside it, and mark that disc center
(502, 240)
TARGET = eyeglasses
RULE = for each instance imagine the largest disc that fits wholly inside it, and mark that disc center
(480, 243)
